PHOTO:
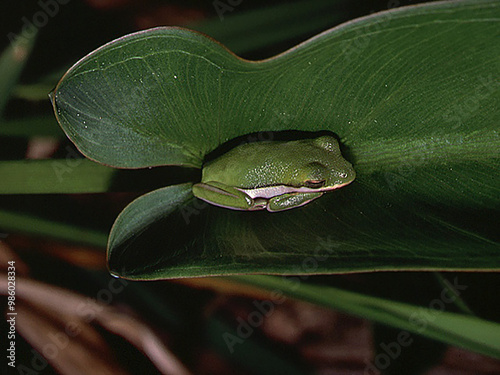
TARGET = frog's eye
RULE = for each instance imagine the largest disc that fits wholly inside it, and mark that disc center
(315, 184)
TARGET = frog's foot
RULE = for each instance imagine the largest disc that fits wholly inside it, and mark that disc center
(290, 200)
(259, 204)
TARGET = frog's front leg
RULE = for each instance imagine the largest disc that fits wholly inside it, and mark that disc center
(290, 200)
(227, 196)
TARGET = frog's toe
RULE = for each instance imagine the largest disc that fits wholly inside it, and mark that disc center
(259, 204)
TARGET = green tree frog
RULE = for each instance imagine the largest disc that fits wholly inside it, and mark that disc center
(274, 175)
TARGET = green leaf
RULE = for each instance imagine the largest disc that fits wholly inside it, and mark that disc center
(40, 89)
(426, 195)
(39, 226)
(431, 321)
(70, 175)
(34, 92)
(77, 175)
(458, 301)
(12, 62)
(137, 101)
(30, 127)
(153, 211)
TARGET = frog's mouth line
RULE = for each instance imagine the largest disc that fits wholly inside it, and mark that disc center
(273, 191)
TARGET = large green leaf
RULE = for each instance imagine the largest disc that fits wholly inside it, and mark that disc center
(158, 88)
(412, 94)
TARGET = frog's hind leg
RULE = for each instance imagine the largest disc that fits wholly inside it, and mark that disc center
(226, 196)
(291, 200)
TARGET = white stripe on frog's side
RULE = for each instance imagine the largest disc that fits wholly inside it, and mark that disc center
(273, 191)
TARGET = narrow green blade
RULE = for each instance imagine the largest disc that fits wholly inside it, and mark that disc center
(431, 321)
(12, 62)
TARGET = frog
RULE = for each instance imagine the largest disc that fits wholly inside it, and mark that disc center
(274, 175)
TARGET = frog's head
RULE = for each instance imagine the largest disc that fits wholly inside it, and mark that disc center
(326, 169)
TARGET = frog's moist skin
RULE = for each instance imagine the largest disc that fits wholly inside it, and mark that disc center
(274, 175)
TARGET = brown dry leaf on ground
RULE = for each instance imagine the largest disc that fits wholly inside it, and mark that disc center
(334, 343)
(48, 315)
(458, 361)
(41, 147)
(69, 344)
(78, 255)
(7, 255)
(322, 337)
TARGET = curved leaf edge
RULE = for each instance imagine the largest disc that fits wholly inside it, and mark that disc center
(201, 36)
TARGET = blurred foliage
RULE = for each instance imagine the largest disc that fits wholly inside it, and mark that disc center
(187, 316)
